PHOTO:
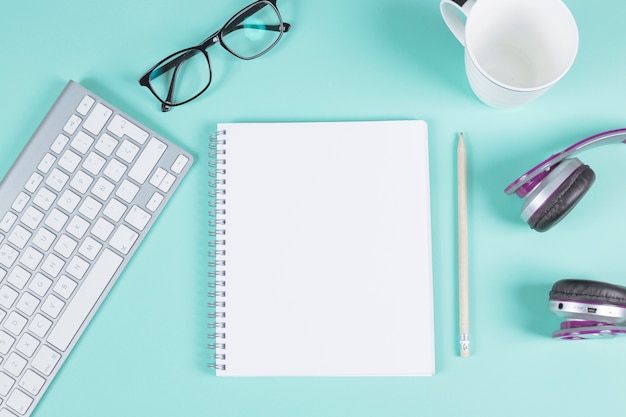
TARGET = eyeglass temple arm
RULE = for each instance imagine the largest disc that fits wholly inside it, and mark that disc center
(170, 92)
(273, 28)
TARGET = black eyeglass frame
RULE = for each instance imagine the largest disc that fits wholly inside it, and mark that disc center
(231, 25)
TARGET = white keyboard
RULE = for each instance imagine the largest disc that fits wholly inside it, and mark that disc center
(74, 207)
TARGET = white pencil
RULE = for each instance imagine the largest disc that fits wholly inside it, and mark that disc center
(463, 249)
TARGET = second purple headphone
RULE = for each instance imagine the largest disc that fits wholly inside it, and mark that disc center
(551, 189)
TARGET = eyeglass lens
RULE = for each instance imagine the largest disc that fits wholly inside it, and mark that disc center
(181, 77)
(250, 36)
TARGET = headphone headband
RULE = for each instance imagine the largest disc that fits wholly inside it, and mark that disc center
(527, 182)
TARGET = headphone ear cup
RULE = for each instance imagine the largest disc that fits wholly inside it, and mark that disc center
(588, 291)
(563, 199)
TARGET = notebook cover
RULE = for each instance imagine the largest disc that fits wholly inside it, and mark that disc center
(325, 251)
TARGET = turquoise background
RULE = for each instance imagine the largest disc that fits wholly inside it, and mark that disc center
(144, 353)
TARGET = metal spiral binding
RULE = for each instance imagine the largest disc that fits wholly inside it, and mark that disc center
(217, 252)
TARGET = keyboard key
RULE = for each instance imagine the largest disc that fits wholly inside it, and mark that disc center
(20, 202)
(106, 144)
(52, 306)
(40, 284)
(127, 191)
(8, 255)
(27, 304)
(6, 383)
(19, 277)
(81, 182)
(94, 163)
(154, 202)
(31, 258)
(72, 124)
(102, 229)
(6, 342)
(179, 164)
(19, 401)
(90, 248)
(27, 345)
(14, 364)
(137, 217)
(52, 265)
(97, 118)
(65, 246)
(127, 151)
(15, 324)
(123, 239)
(85, 105)
(7, 221)
(119, 126)
(56, 220)
(102, 189)
(39, 326)
(167, 182)
(45, 360)
(115, 170)
(7, 297)
(33, 182)
(43, 239)
(82, 142)
(77, 267)
(69, 161)
(57, 179)
(85, 298)
(65, 287)
(158, 176)
(46, 163)
(59, 143)
(32, 217)
(44, 198)
(147, 160)
(19, 237)
(90, 208)
(78, 227)
(68, 201)
(31, 382)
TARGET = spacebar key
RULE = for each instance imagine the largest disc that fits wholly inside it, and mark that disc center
(86, 297)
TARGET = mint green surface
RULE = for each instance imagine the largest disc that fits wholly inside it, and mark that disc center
(144, 353)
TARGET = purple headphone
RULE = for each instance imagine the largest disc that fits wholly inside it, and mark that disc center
(552, 188)
(591, 309)
(550, 191)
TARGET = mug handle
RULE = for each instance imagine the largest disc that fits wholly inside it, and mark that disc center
(455, 13)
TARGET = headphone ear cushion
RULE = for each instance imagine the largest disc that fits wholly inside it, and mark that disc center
(587, 291)
(563, 200)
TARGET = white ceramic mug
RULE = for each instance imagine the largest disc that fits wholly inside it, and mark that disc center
(515, 50)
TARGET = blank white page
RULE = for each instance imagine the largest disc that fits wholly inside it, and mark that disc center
(328, 249)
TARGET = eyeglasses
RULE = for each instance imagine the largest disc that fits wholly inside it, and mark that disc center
(184, 75)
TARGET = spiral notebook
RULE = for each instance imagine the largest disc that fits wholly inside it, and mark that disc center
(321, 249)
